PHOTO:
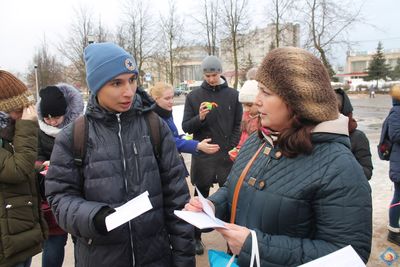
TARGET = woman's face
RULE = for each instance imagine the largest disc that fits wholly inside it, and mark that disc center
(54, 121)
(274, 113)
(166, 101)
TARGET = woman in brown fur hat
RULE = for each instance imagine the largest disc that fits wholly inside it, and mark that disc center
(304, 194)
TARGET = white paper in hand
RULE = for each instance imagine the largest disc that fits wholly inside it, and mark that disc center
(202, 220)
(129, 211)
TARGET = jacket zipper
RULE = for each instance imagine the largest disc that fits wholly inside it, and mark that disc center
(136, 161)
(125, 180)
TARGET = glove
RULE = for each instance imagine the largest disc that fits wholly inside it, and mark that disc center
(99, 219)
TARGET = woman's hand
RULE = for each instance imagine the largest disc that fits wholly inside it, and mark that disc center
(207, 148)
(29, 113)
(46, 163)
(195, 205)
(235, 235)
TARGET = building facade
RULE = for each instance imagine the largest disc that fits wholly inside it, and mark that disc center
(254, 45)
(358, 62)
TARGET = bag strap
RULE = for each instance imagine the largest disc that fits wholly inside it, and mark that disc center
(255, 254)
(240, 182)
(80, 137)
(153, 124)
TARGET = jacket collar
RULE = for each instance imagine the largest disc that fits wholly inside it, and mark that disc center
(223, 84)
(332, 131)
(337, 126)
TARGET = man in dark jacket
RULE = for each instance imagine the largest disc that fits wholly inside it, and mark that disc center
(119, 165)
(22, 225)
(220, 122)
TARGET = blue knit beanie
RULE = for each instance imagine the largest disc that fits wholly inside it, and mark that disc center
(105, 61)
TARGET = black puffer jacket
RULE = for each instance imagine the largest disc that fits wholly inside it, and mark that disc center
(301, 208)
(222, 125)
(120, 165)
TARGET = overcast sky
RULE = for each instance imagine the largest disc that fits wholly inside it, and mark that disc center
(24, 23)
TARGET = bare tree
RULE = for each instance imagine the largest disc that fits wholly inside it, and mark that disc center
(328, 23)
(80, 32)
(209, 23)
(279, 12)
(136, 34)
(102, 34)
(235, 22)
(172, 33)
(50, 70)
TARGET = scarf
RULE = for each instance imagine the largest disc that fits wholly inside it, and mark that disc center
(269, 135)
(4, 119)
(163, 113)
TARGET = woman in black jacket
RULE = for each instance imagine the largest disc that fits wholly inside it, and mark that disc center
(58, 106)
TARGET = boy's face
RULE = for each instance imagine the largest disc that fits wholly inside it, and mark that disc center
(212, 78)
(117, 94)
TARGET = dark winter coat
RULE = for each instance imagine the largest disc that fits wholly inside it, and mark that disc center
(360, 148)
(222, 125)
(22, 226)
(394, 137)
(301, 208)
(47, 135)
(358, 139)
(119, 165)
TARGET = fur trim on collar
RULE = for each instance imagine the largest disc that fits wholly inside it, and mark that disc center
(48, 129)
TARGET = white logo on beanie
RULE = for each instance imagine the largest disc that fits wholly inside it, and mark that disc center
(129, 64)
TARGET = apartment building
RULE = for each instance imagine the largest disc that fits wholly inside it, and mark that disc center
(257, 43)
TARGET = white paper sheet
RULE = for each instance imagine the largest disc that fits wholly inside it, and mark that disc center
(129, 211)
(344, 257)
(202, 220)
(199, 219)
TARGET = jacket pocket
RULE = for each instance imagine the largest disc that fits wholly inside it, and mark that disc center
(19, 214)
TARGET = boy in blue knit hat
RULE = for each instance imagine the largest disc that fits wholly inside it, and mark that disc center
(118, 166)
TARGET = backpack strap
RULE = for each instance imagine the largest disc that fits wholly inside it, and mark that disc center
(153, 124)
(80, 136)
(81, 132)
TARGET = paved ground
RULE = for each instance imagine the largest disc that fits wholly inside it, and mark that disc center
(370, 114)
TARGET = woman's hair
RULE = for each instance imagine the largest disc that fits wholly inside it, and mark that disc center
(158, 89)
(296, 140)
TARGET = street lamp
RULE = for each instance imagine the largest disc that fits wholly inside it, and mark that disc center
(91, 39)
(37, 83)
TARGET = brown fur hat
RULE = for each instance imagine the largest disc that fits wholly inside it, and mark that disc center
(302, 81)
(395, 92)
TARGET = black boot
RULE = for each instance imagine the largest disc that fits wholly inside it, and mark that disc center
(394, 235)
(199, 247)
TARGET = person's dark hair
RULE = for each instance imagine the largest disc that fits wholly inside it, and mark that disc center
(296, 140)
